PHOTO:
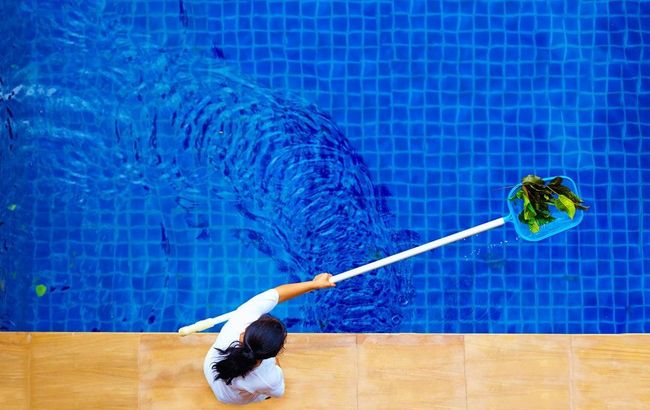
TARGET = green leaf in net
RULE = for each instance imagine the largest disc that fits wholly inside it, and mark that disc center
(567, 204)
(533, 225)
(537, 197)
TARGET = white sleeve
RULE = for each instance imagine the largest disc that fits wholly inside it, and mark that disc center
(245, 315)
(260, 304)
(277, 388)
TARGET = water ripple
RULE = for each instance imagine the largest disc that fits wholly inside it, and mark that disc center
(124, 112)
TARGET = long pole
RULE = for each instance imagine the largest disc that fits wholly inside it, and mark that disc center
(208, 323)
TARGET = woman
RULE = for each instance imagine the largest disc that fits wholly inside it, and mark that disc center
(241, 366)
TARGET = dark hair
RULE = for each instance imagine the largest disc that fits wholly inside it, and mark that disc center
(263, 339)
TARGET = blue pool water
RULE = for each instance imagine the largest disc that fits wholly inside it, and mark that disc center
(161, 161)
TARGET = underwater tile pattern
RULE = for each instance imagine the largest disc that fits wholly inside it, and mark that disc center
(448, 104)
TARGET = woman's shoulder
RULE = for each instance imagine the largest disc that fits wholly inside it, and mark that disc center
(271, 371)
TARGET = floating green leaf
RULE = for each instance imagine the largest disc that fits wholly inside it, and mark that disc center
(40, 290)
(537, 197)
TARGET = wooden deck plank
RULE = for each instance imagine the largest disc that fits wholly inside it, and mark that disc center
(515, 372)
(14, 370)
(320, 372)
(172, 372)
(84, 370)
(411, 371)
(332, 371)
(611, 372)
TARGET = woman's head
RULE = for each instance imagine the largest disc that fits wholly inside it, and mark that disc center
(265, 337)
(262, 339)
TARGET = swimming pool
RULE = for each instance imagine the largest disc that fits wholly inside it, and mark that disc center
(163, 160)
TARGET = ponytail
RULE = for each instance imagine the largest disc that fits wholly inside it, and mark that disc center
(263, 339)
(240, 360)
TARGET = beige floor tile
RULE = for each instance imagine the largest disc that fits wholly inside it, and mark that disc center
(409, 371)
(84, 371)
(320, 372)
(611, 372)
(335, 371)
(14, 371)
(171, 372)
(517, 371)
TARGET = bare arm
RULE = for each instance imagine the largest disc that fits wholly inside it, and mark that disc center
(291, 290)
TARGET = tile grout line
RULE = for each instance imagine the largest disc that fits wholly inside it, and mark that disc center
(29, 371)
(465, 370)
(356, 354)
(571, 380)
(139, 374)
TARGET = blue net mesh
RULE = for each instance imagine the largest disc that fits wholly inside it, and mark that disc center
(561, 223)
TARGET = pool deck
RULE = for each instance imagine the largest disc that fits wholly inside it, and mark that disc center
(333, 371)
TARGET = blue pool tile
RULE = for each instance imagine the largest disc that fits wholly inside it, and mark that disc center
(425, 92)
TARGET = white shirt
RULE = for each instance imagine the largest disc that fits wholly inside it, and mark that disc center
(266, 380)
